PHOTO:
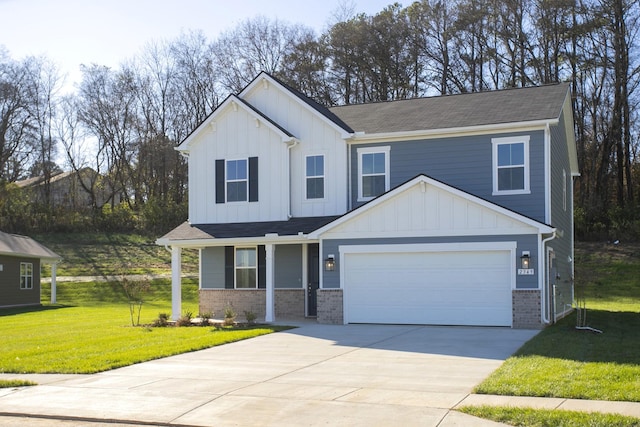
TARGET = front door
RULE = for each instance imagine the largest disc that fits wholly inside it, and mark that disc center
(314, 279)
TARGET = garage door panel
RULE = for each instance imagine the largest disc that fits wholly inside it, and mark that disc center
(447, 288)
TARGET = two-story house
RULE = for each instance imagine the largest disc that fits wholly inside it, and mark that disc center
(451, 210)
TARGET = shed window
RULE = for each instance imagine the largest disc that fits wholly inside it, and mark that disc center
(26, 275)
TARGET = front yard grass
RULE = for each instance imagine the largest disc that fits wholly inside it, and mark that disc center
(549, 418)
(564, 362)
(93, 331)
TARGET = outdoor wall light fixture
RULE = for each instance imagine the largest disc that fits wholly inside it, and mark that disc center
(330, 263)
(525, 260)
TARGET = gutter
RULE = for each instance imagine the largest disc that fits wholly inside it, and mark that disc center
(542, 261)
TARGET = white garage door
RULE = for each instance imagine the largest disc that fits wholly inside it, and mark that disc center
(435, 288)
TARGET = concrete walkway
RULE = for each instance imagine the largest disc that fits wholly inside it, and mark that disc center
(355, 375)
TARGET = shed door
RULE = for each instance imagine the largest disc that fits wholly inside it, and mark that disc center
(436, 288)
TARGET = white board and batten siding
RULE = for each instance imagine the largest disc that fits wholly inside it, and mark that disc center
(316, 136)
(235, 133)
(427, 210)
(435, 284)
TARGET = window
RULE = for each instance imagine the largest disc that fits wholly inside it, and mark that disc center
(237, 180)
(246, 268)
(315, 177)
(511, 165)
(26, 275)
(373, 172)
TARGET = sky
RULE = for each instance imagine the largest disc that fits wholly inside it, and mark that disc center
(108, 32)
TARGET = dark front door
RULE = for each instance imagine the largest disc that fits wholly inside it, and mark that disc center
(314, 279)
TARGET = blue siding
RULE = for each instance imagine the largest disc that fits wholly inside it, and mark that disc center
(331, 279)
(561, 218)
(462, 162)
(212, 268)
(288, 267)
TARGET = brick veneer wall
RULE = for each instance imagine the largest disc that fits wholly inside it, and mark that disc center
(526, 309)
(289, 303)
(330, 306)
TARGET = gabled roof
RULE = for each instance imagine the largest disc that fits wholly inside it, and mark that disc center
(233, 101)
(16, 245)
(302, 98)
(445, 189)
(291, 227)
(531, 104)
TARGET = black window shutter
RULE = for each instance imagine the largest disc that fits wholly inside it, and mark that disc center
(228, 267)
(262, 267)
(220, 197)
(253, 179)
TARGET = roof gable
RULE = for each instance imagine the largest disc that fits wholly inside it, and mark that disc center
(522, 105)
(424, 206)
(265, 79)
(16, 245)
(234, 102)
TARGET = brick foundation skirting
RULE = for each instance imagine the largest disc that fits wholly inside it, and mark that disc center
(330, 309)
(289, 303)
(527, 309)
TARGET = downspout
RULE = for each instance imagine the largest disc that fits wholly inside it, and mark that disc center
(290, 144)
(542, 261)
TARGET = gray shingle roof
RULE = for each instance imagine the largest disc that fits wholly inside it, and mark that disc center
(452, 111)
(16, 245)
(292, 227)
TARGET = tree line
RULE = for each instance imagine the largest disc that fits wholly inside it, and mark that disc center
(124, 122)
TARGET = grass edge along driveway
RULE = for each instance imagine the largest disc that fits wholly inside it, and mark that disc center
(90, 339)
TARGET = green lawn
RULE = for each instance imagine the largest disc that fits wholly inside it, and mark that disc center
(564, 362)
(549, 418)
(90, 331)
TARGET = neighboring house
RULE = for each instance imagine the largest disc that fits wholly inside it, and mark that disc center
(67, 189)
(20, 261)
(451, 210)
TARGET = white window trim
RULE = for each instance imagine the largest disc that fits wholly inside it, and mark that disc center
(28, 275)
(323, 176)
(226, 180)
(495, 142)
(368, 150)
(236, 268)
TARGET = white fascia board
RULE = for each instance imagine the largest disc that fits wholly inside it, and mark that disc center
(572, 149)
(264, 77)
(231, 102)
(205, 243)
(31, 256)
(542, 228)
(361, 137)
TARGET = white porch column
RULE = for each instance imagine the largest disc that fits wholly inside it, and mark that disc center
(176, 282)
(270, 297)
(54, 271)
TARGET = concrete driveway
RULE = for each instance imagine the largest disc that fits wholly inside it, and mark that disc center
(355, 375)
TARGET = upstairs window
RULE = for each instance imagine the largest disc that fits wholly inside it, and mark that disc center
(237, 180)
(315, 177)
(246, 268)
(26, 275)
(373, 172)
(510, 165)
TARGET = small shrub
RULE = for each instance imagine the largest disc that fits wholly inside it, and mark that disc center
(229, 316)
(205, 318)
(162, 320)
(250, 316)
(185, 319)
